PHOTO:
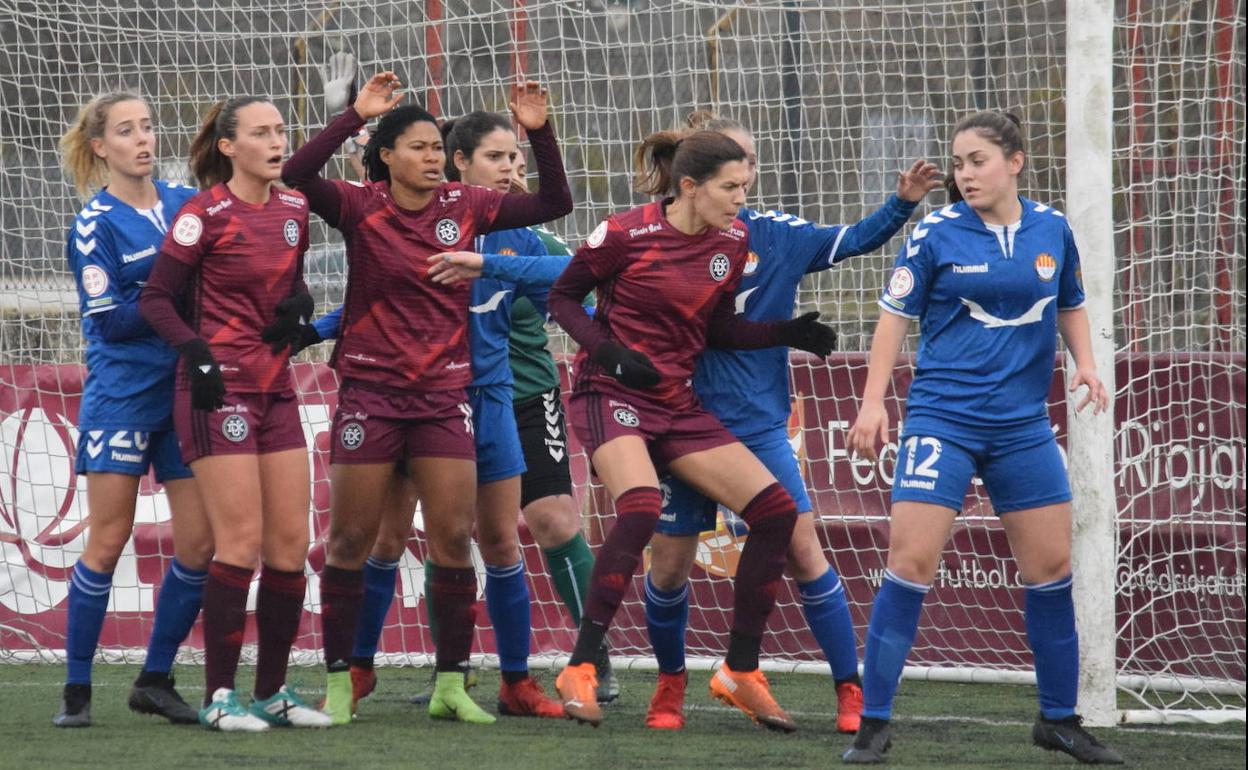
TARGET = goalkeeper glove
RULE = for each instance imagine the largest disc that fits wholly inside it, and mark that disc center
(287, 327)
(631, 367)
(207, 385)
(806, 333)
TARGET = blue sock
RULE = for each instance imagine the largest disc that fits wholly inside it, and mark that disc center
(827, 614)
(667, 616)
(379, 577)
(890, 635)
(181, 593)
(507, 599)
(1050, 618)
(88, 600)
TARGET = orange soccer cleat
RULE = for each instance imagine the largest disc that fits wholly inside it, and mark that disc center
(363, 682)
(750, 692)
(848, 707)
(527, 699)
(577, 686)
(667, 707)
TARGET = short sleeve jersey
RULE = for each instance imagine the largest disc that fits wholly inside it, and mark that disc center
(987, 301)
(110, 249)
(248, 258)
(657, 290)
(399, 329)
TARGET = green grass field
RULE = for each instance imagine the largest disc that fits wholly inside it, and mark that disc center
(938, 726)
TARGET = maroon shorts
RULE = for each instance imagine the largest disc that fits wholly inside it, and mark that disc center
(669, 430)
(380, 425)
(248, 424)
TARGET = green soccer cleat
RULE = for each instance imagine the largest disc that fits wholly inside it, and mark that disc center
(423, 697)
(226, 714)
(286, 709)
(450, 701)
(338, 697)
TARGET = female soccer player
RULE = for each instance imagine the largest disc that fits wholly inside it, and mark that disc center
(666, 274)
(404, 362)
(125, 420)
(992, 279)
(749, 392)
(235, 254)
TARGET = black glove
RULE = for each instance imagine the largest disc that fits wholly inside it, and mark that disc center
(806, 333)
(631, 367)
(287, 327)
(207, 386)
(308, 336)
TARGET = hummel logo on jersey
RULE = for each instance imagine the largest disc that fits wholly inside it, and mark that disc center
(1033, 315)
(447, 231)
(491, 304)
(970, 268)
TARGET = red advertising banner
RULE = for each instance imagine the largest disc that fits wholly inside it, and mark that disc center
(1179, 480)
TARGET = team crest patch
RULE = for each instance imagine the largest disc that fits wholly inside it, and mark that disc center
(1046, 266)
(291, 231)
(234, 427)
(902, 282)
(720, 267)
(94, 281)
(187, 230)
(627, 417)
(447, 231)
(599, 235)
(751, 263)
(351, 436)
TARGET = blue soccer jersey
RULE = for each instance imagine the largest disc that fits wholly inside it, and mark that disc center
(518, 264)
(748, 390)
(111, 248)
(987, 299)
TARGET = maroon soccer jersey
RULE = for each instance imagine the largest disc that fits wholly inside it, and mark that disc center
(247, 259)
(657, 290)
(399, 329)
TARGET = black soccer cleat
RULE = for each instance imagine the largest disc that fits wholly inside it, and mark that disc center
(608, 685)
(75, 707)
(874, 739)
(160, 698)
(1068, 736)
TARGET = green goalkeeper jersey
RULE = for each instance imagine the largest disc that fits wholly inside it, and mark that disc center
(532, 366)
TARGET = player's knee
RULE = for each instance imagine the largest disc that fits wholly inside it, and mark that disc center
(195, 555)
(389, 545)
(671, 559)
(914, 566)
(348, 546)
(1044, 570)
(499, 548)
(806, 559)
(450, 551)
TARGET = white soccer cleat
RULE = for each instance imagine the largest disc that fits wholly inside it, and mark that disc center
(285, 709)
(226, 714)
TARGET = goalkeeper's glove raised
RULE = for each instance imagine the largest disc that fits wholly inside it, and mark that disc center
(207, 385)
(632, 368)
(287, 327)
(806, 333)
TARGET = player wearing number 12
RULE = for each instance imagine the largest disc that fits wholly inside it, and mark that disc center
(993, 278)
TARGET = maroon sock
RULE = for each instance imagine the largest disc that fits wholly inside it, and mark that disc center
(225, 616)
(454, 594)
(770, 516)
(279, 607)
(636, 514)
(342, 591)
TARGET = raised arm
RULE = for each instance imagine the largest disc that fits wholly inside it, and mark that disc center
(553, 198)
(303, 170)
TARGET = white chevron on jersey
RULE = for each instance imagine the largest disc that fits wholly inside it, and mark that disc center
(491, 304)
(1033, 315)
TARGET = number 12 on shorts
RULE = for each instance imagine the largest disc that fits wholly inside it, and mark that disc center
(924, 468)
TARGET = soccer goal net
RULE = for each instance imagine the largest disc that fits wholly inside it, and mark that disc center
(840, 97)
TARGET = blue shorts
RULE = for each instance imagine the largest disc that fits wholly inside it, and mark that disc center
(499, 455)
(131, 452)
(1020, 469)
(687, 512)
